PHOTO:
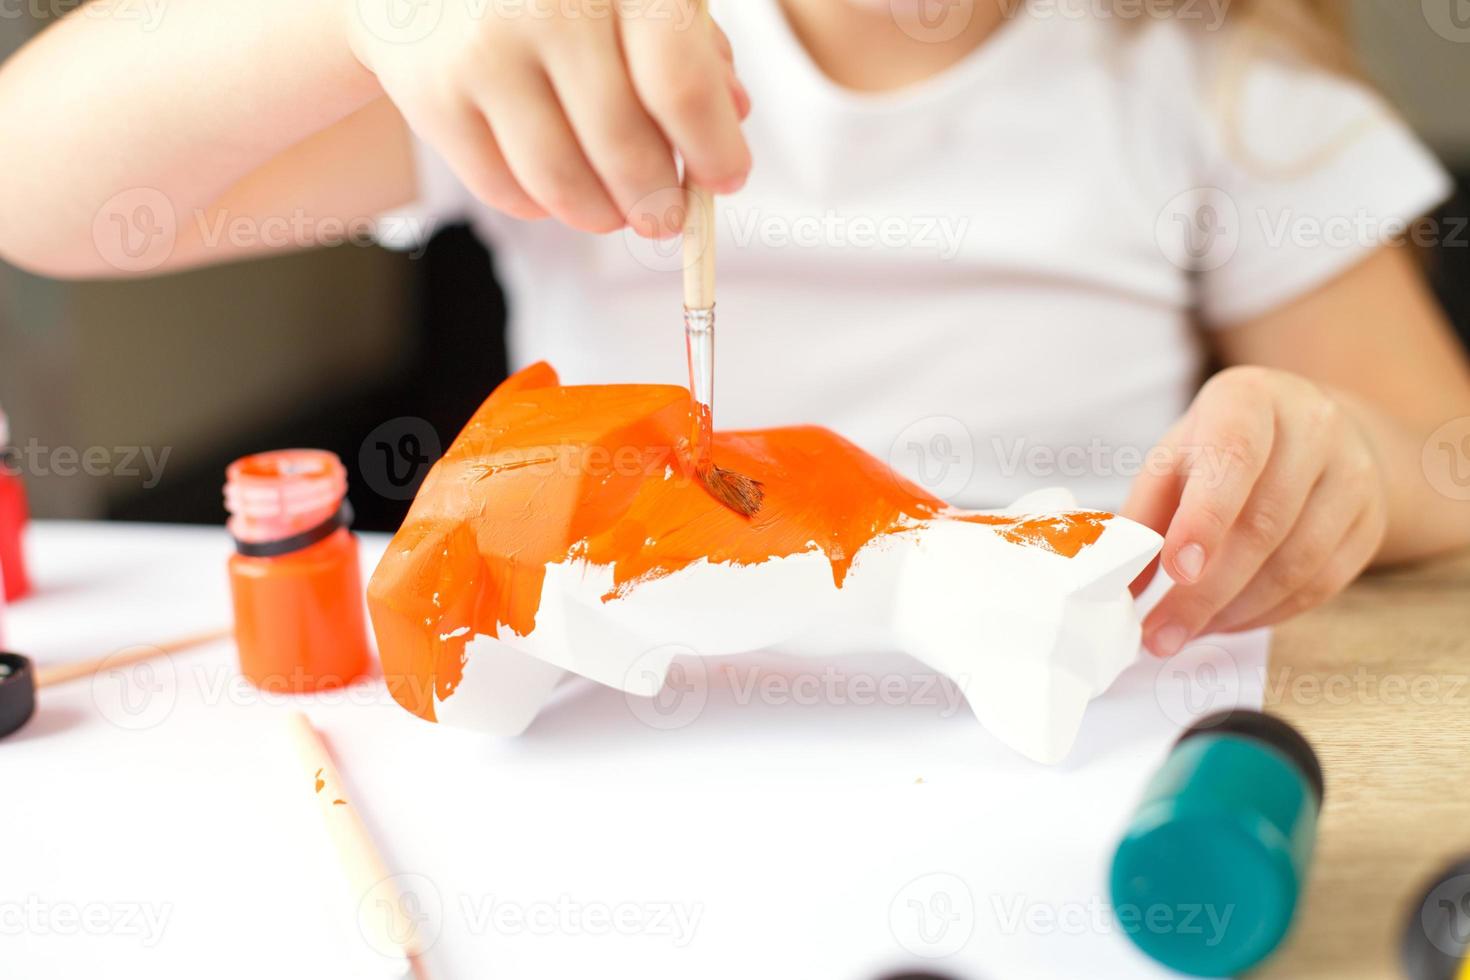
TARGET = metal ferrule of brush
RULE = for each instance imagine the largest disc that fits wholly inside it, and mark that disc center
(699, 336)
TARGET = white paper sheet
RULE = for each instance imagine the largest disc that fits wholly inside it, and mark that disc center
(779, 819)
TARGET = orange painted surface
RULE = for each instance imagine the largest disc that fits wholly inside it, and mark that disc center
(545, 473)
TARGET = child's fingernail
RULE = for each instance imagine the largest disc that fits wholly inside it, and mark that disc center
(1190, 561)
(742, 99)
(1166, 640)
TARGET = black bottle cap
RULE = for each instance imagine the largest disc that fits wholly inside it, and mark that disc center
(1269, 729)
(17, 692)
(1436, 937)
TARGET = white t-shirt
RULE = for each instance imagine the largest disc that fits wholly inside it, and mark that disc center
(991, 279)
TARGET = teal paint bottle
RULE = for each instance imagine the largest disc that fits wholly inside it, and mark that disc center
(1214, 860)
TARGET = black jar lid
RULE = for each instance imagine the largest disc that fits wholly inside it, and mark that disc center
(17, 692)
(1436, 941)
(1270, 730)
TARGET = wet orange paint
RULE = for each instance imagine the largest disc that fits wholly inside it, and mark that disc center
(545, 473)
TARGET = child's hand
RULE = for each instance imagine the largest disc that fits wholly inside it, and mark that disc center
(1273, 499)
(571, 109)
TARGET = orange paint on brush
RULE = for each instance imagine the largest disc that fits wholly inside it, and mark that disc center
(544, 474)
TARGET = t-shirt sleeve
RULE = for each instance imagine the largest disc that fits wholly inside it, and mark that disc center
(1308, 173)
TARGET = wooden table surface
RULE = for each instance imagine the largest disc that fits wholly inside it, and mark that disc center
(1379, 681)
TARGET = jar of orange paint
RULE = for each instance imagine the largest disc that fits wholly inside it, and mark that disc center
(13, 517)
(294, 578)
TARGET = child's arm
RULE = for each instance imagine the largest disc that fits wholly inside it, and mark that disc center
(97, 107)
(1311, 458)
(239, 111)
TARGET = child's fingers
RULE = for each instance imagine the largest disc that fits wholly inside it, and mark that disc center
(1154, 496)
(732, 77)
(541, 148)
(623, 143)
(1348, 559)
(1330, 512)
(1227, 448)
(463, 138)
(739, 94)
(722, 43)
(682, 80)
(1273, 508)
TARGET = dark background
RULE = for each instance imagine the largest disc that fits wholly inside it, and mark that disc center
(457, 354)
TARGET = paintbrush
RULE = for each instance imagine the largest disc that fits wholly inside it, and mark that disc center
(60, 673)
(20, 679)
(736, 491)
(395, 931)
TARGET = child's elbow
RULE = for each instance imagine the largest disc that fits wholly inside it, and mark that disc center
(35, 265)
(53, 260)
(44, 233)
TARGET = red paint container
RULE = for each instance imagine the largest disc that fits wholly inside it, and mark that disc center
(13, 517)
(294, 579)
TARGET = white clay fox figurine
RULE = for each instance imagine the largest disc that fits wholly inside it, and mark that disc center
(564, 531)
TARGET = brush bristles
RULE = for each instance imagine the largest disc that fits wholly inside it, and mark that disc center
(735, 490)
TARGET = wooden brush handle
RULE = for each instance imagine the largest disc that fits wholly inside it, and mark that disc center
(699, 232)
(699, 248)
(364, 866)
(61, 673)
